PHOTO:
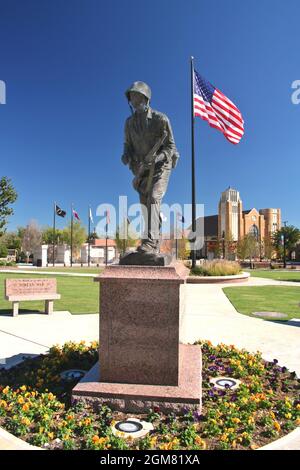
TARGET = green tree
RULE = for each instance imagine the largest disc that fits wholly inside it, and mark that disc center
(79, 236)
(12, 241)
(291, 235)
(230, 246)
(93, 236)
(217, 248)
(242, 248)
(268, 247)
(125, 237)
(8, 196)
(3, 251)
(20, 232)
(184, 249)
(48, 236)
(248, 247)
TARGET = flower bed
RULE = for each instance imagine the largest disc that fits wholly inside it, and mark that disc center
(35, 405)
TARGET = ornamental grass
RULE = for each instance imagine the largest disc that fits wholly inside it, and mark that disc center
(217, 268)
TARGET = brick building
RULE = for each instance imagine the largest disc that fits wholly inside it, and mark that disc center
(234, 222)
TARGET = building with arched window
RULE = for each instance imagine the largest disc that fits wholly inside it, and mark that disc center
(232, 222)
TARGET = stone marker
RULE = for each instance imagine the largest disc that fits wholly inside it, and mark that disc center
(17, 290)
(271, 315)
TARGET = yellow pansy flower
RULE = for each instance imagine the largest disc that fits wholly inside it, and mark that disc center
(26, 407)
(277, 426)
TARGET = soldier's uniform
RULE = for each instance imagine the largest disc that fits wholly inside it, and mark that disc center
(142, 131)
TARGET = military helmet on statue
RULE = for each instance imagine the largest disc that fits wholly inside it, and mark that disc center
(139, 87)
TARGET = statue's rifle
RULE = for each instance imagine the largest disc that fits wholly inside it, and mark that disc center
(151, 157)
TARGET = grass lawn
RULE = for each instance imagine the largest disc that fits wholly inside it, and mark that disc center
(283, 299)
(78, 295)
(278, 275)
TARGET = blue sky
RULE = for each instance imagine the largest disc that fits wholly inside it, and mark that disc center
(66, 65)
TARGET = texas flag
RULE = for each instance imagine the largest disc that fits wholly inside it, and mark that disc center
(107, 217)
(75, 214)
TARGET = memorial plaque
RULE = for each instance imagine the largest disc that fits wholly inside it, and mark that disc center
(30, 286)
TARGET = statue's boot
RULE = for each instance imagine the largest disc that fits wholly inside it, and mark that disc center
(146, 247)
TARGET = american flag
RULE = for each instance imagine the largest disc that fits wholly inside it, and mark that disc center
(212, 106)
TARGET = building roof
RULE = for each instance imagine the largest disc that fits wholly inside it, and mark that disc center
(210, 225)
(100, 242)
(253, 209)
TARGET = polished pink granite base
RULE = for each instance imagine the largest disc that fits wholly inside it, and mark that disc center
(137, 398)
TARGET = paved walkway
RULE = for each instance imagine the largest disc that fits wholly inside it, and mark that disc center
(54, 273)
(35, 333)
(209, 315)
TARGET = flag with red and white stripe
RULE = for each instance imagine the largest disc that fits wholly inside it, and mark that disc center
(213, 106)
(75, 213)
(107, 217)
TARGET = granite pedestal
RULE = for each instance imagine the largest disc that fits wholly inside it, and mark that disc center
(141, 361)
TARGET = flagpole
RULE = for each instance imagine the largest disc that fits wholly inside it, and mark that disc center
(53, 244)
(176, 241)
(193, 166)
(89, 239)
(125, 235)
(71, 235)
(106, 241)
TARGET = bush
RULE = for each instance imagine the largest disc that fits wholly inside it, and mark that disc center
(3, 251)
(217, 268)
(22, 257)
(7, 263)
(276, 266)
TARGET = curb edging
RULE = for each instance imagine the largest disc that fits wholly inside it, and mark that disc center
(289, 442)
(10, 442)
(218, 279)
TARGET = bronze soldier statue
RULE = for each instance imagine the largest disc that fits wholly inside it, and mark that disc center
(150, 152)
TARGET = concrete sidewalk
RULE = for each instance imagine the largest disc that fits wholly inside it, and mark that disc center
(210, 315)
(35, 333)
